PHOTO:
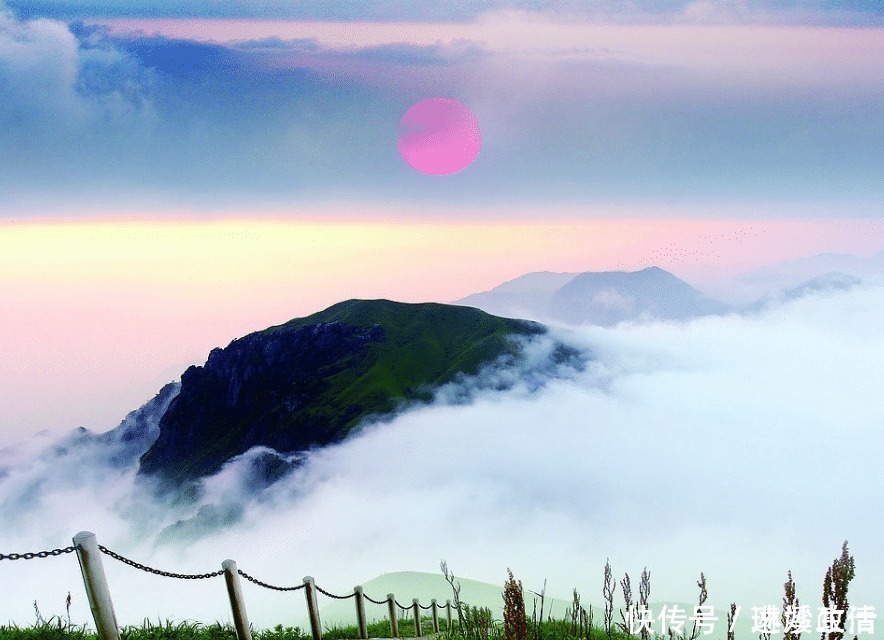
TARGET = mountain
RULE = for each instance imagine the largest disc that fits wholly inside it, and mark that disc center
(795, 278)
(527, 296)
(311, 381)
(604, 298)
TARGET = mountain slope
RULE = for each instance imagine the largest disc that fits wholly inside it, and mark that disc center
(603, 298)
(527, 296)
(310, 381)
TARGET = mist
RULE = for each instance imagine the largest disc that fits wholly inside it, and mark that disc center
(742, 446)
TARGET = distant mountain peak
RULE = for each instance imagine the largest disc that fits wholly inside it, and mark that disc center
(602, 298)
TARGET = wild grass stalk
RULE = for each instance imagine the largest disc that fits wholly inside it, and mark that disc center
(835, 585)
(790, 610)
(701, 601)
(608, 594)
(626, 586)
(731, 618)
(515, 622)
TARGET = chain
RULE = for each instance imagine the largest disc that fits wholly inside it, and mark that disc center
(373, 600)
(167, 574)
(427, 608)
(331, 595)
(268, 586)
(37, 554)
(192, 576)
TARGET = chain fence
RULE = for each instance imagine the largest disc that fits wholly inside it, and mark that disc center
(212, 574)
(268, 586)
(167, 574)
(372, 600)
(199, 576)
(189, 576)
(36, 554)
(331, 595)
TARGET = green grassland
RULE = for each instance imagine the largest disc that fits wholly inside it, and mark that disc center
(56, 629)
(426, 345)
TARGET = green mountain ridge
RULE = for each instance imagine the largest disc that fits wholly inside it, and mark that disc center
(311, 381)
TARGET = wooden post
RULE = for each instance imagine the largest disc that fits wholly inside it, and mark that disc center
(313, 607)
(360, 612)
(97, 591)
(237, 604)
(448, 614)
(435, 609)
(416, 608)
(394, 623)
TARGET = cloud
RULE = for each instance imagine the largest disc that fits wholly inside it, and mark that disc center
(742, 446)
(40, 66)
(72, 100)
(855, 12)
(272, 114)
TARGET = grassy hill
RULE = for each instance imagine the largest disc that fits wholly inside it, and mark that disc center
(311, 381)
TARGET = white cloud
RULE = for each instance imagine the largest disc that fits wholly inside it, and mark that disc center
(61, 94)
(39, 64)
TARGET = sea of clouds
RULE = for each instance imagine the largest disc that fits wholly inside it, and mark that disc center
(742, 446)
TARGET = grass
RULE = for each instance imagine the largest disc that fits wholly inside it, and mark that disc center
(58, 629)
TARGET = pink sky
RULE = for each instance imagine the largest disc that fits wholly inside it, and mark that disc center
(799, 54)
(99, 314)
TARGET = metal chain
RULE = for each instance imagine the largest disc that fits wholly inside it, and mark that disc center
(167, 574)
(36, 554)
(373, 600)
(331, 595)
(427, 608)
(268, 586)
(193, 576)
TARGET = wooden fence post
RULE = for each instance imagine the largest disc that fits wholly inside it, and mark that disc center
(435, 608)
(448, 614)
(313, 607)
(360, 612)
(97, 591)
(394, 623)
(416, 608)
(237, 603)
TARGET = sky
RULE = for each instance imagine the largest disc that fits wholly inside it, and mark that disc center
(177, 174)
(111, 107)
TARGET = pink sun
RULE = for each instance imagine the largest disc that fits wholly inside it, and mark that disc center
(439, 136)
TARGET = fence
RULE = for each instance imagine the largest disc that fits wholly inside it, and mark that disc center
(98, 594)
